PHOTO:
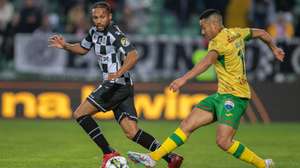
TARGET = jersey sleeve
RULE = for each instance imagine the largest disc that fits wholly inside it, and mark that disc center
(215, 45)
(123, 44)
(87, 41)
(245, 33)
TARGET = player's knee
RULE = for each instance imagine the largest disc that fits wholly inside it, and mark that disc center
(77, 114)
(223, 143)
(130, 133)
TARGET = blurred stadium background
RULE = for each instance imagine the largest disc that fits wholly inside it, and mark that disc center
(40, 86)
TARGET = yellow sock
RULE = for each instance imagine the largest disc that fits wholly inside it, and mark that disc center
(175, 140)
(243, 153)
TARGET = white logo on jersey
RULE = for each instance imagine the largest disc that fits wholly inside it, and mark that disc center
(124, 42)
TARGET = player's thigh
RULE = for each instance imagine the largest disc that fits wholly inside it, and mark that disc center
(85, 108)
(202, 114)
(197, 118)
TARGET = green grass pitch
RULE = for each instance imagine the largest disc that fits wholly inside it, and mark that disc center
(62, 144)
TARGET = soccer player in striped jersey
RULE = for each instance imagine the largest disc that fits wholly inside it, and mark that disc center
(116, 56)
(226, 52)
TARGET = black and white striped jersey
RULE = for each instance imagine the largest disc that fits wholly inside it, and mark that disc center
(111, 47)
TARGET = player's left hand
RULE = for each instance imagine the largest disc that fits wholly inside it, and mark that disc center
(279, 53)
(177, 84)
(113, 76)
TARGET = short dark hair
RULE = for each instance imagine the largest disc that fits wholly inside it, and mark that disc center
(207, 13)
(102, 4)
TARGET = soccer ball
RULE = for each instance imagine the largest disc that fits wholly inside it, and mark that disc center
(117, 162)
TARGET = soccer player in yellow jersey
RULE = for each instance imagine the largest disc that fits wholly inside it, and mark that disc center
(226, 51)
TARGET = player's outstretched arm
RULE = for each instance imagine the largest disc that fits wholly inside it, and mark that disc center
(129, 62)
(199, 68)
(267, 38)
(58, 41)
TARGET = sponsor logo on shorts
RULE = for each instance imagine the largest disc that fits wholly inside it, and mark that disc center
(228, 105)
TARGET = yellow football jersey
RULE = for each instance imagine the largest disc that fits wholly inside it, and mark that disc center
(230, 67)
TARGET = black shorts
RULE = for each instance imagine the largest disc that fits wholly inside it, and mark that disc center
(116, 97)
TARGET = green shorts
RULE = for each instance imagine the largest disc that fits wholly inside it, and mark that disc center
(227, 109)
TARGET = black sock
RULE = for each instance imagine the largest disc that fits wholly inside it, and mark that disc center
(149, 142)
(92, 129)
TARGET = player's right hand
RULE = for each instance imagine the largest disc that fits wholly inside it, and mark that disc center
(177, 84)
(56, 41)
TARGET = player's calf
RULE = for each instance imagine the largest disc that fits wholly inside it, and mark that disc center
(224, 143)
(85, 108)
(129, 127)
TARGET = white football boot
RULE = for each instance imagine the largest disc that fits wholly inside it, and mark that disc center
(269, 163)
(142, 158)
